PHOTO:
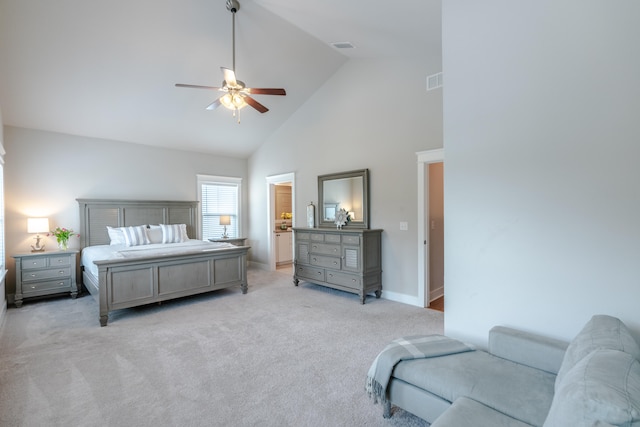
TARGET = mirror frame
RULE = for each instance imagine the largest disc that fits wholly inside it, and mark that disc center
(364, 173)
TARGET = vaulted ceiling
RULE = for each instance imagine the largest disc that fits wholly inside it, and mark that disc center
(107, 69)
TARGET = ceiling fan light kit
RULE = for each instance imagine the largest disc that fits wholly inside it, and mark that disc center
(236, 94)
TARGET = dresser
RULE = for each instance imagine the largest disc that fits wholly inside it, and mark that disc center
(349, 260)
(45, 273)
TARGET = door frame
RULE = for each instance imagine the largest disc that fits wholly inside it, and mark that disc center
(424, 159)
(272, 181)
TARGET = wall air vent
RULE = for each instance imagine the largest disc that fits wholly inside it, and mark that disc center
(343, 45)
(434, 81)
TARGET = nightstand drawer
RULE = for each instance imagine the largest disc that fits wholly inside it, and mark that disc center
(30, 276)
(50, 285)
(62, 260)
(31, 263)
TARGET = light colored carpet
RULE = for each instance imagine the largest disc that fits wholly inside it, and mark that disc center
(278, 356)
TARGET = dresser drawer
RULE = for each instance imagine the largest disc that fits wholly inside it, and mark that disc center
(317, 237)
(351, 240)
(310, 273)
(325, 261)
(62, 285)
(332, 238)
(30, 276)
(342, 279)
(325, 249)
(302, 236)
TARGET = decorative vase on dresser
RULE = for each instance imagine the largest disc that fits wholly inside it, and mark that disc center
(348, 259)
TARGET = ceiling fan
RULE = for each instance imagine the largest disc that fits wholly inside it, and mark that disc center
(235, 95)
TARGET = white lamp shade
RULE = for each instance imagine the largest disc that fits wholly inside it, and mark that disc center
(37, 225)
(225, 220)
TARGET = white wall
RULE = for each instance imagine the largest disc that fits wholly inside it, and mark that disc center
(542, 184)
(370, 114)
(46, 172)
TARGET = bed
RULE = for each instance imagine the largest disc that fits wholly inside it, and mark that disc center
(122, 275)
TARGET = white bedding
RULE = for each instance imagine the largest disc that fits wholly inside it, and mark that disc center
(107, 252)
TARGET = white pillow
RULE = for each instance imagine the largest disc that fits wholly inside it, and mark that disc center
(174, 233)
(135, 236)
(155, 234)
(115, 235)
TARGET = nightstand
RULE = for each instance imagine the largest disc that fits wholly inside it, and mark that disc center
(45, 273)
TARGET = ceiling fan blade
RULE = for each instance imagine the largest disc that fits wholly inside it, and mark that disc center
(266, 91)
(255, 104)
(197, 86)
(215, 104)
(229, 76)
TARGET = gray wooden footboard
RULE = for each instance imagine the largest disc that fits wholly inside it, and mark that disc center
(125, 283)
(130, 283)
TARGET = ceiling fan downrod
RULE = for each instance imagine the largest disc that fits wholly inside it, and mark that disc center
(233, 6)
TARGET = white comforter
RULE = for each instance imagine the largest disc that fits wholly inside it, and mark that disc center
(107, 252)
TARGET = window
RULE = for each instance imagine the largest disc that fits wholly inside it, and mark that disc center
(219, 196)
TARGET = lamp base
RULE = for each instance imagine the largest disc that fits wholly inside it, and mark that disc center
(37, 247)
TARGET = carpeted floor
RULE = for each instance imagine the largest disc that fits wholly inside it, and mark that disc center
(278, 356)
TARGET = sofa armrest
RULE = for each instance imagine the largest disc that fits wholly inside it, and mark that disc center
(527, 348)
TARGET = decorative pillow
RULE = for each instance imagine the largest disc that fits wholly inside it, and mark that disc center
(155, 233)
(601, 389)
(115, 235)
(601, 331)
(174, 233)
(135, 236)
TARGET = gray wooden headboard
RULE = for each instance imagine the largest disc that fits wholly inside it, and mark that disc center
(97, 214)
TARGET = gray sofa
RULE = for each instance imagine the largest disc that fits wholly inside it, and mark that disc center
(521, 380)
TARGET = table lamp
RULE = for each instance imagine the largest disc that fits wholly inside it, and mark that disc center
(37, 225)
(225, 220)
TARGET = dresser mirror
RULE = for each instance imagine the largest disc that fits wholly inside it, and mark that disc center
(345, 190)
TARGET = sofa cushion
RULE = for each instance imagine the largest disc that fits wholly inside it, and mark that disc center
(601, 332)
(466, 412)
(516, 390)
(601, 389)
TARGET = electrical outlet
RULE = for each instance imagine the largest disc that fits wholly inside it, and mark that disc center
(404, 225)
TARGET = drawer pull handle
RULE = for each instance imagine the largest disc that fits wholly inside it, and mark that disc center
(59, 261)
(315, 259)
(61, 272)
(353, 280)
(315, 247)
(34, 263)
(335, 262)
(335, 249)
(61, 283)
(34, 275)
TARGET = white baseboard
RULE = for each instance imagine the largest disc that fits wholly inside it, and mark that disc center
(403, 298)
(436, 293)
(259, 265)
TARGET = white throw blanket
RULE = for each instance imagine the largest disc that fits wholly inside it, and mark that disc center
(407, 348)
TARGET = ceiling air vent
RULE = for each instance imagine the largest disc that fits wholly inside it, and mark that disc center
(343, 45)
(434, 81)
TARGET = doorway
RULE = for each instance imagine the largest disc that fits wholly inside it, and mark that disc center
(279, 240)
(430, 227)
